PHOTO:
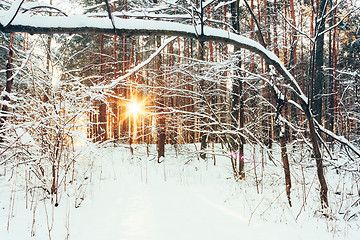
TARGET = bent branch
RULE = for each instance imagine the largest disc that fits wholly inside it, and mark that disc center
(131, 27)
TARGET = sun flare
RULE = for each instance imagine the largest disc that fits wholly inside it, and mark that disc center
(135, 108)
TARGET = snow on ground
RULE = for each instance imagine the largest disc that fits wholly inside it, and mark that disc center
(132, 197)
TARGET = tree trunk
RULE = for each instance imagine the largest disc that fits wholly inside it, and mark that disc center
(285, 36)
(203, 120)
(286, 165)
(335, 84)
(319, 83)
(267, 90)
(292, 61)
(161, 124)
(317, 156)
(330, 84)
(284, 157)
(8, 87)
(252, 34)
(237, 112)
(102, 133)
(115, 105)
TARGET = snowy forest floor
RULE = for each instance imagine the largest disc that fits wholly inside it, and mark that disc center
(123, 196)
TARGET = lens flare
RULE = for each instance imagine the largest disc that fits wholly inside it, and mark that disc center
(134, 108)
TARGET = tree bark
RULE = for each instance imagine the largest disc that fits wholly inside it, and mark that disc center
(161, 118)
(102, 133)
(203, 120)
(292, 61)
(317, 156)
(317, 100)
(286, 165)
(161, 125)
(285, 159)
(330, 84)
(319, 83)
(8, 87)
(237, 111)
(115, 105)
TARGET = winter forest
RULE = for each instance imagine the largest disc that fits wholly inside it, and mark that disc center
(179, 119)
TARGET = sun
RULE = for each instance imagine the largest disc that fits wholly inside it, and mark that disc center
(134, 108)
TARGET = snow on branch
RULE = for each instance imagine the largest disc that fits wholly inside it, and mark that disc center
(138, 67)
(110, 14)
(130, 27)
(340, 139)
(11, 14)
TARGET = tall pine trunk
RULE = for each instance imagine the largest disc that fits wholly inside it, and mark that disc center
(8, 87)
(102, 133)
(319, 81)
(237, 111)
(316, 92)
(203, 134)
(161, 124)
(330, 84)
